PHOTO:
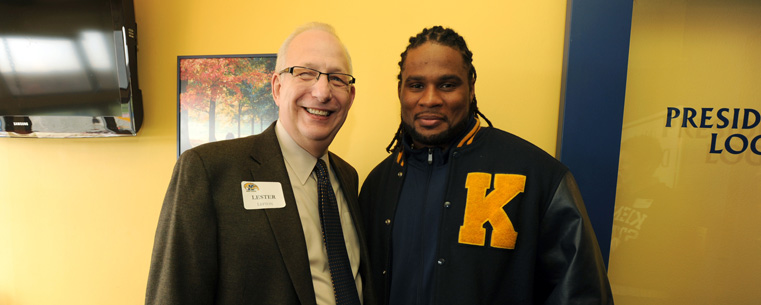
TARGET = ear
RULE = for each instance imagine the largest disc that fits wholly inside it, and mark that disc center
(352, 93)
(275, 84)
(399, 90)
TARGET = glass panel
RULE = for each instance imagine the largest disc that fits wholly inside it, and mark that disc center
(686, 225)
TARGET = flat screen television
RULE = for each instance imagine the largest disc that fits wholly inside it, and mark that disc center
(68, 69)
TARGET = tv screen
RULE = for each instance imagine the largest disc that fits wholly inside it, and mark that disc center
(68, 68)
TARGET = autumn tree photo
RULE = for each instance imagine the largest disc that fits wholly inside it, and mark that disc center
(230, 96)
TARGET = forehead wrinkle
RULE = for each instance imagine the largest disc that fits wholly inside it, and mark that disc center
(316, 49)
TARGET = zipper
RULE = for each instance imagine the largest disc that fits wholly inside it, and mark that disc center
(429, 174)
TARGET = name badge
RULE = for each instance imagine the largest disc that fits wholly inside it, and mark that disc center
(262, 195)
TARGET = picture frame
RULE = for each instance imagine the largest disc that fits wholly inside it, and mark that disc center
(223, 97)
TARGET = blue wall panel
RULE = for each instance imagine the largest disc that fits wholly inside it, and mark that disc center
(592, 103)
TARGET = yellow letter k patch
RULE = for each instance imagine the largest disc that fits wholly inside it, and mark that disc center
(481, 208)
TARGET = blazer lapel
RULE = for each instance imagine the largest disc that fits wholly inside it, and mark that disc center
(285, 223)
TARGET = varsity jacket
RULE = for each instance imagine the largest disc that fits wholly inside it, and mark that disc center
(538, 246)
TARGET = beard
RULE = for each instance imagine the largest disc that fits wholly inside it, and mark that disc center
(440, 139)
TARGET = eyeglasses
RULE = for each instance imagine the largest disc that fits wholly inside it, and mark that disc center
(337, 80)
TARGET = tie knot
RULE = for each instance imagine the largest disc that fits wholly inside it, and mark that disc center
(321, 169)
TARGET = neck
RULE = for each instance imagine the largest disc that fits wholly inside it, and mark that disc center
(316, 150)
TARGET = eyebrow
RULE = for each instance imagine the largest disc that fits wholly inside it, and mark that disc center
(330, 70)
(446, 77)
(450, 77)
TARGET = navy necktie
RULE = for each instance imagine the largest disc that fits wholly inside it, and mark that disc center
(344, 287)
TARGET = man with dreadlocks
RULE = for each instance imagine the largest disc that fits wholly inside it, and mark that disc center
(464, 214)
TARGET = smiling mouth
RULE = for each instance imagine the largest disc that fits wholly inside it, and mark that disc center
(429, 116)
(429, 120)
(318, 112)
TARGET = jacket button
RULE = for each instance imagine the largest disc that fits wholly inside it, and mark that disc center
(447, 204)
(388, 221)
(399, 174)
(441, 261)
(384, 272)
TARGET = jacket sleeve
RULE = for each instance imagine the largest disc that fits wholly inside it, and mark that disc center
(183, 266)
(570, 263)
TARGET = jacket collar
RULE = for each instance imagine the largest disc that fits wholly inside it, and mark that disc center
(464, 140)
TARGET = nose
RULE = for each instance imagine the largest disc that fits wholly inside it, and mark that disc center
(322, 90)
(430, 97)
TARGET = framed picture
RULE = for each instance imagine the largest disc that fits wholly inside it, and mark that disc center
(223, 97)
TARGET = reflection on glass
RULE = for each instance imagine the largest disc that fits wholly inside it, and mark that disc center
(686, 224)
(60, 59)
(32, 69)
(96, 48)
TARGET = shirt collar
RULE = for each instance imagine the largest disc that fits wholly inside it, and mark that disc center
(301, 162)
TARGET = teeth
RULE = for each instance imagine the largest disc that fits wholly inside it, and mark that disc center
(318, 112)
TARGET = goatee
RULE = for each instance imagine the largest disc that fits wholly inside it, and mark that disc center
(440, 139)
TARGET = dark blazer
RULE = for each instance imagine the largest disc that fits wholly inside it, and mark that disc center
(210, 250)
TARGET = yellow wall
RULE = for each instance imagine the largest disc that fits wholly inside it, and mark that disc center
(77, 216)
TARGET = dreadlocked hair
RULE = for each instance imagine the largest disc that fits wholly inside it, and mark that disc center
(446, 37)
